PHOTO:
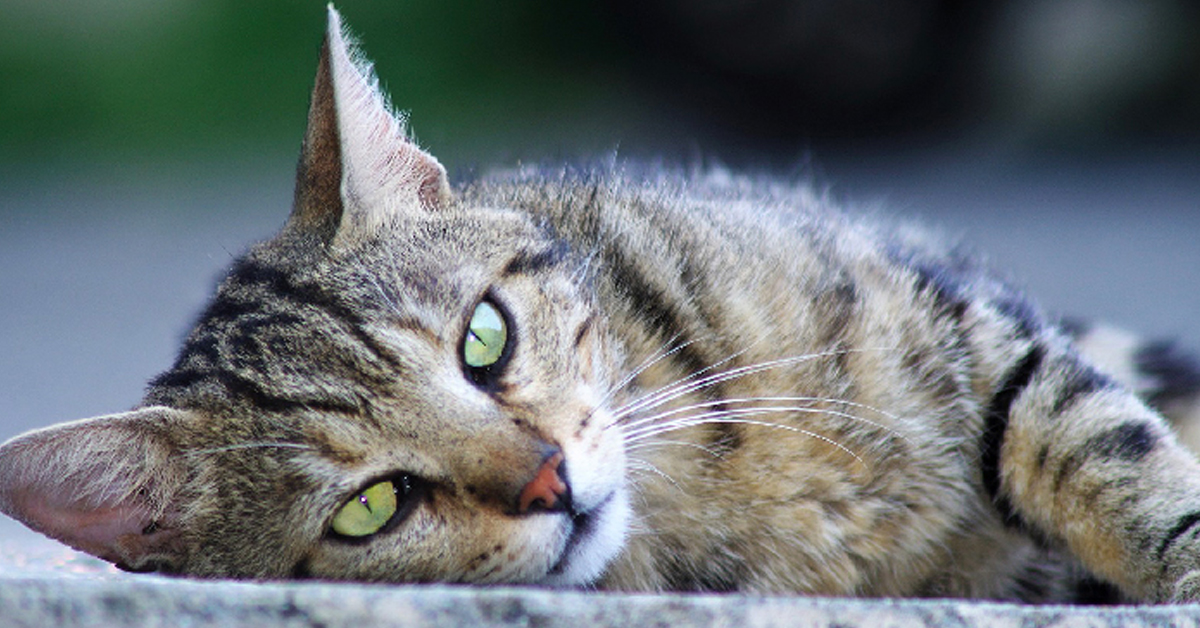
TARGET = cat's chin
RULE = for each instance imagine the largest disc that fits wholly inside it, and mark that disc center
(596, 537)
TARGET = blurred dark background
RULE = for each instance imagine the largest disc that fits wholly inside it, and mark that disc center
(143, 143)
(748, 79)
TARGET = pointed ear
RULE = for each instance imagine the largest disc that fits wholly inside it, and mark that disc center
(107, 486)
(358, 167)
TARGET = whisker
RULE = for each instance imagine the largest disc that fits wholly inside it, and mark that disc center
(636, 404)
(734, 417)
(652, 445)
(685, 386)
(582, 270)
(809, 410)
(634, 435)
(654, 360)
(643, 466)
(670, 391)
(649, 362)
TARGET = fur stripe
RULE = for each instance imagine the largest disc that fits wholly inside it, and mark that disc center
(527, 263)
(582, 331)
(277, 403)
(1093, 592)
(302, 570)
(251, 272)
(180, 378)
(1021, 312)
(1079, 381)
(835, 307)
(225, 349)
(1130, 442)
(946, 285)
(662, 318)
(167, 385)
(1182, 526)
(656, 309)
(996, 425)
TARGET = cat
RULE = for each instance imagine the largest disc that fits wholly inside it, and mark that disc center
(625, 378)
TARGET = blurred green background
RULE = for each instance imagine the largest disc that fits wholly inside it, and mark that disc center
(148, 80)
(752, 80)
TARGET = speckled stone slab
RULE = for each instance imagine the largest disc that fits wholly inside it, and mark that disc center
(43, 584)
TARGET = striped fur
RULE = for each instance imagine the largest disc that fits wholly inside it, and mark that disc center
(749, 391)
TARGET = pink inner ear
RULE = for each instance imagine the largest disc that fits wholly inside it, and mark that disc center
(107, 486)
(113, 532)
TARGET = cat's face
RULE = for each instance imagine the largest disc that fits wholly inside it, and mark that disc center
(473, 356)
(400, 387)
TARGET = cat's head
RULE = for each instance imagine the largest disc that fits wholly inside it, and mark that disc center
(402, 385)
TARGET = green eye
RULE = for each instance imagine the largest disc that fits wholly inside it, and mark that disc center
(367, 512)
(486, 335)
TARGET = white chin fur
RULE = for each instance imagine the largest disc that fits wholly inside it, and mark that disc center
(586, 562)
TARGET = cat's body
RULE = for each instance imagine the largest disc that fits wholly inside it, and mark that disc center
(700, 382)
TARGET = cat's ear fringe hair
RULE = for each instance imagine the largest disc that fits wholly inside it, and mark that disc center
(384, 172)
(94, 463)
(360, 69)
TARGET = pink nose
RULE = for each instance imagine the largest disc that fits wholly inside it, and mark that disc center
(546, 489)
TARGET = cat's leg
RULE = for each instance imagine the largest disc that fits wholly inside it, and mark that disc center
(1161, 373)
(1070, 454)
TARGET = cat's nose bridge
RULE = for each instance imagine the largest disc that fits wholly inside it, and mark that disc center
(518, 476)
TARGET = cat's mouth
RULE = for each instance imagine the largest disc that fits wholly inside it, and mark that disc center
(587, 548)
(582, 526)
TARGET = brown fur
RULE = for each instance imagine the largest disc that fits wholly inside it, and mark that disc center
(750, 392)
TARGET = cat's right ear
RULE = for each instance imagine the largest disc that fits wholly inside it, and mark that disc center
(358, 167)
(109, 486)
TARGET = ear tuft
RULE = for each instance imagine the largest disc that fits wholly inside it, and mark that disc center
(107, 486)
(356, 141)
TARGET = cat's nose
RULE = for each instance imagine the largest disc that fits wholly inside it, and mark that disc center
(548, 491)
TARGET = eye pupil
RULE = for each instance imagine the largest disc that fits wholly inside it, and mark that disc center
(486, 337)
(369, 511)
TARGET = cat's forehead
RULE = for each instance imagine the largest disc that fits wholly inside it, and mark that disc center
(448, 258)
(463, 234)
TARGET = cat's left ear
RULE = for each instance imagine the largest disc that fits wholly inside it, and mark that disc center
(358, 167)
(109, 486)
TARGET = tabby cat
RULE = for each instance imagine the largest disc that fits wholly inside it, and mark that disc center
(626, 379)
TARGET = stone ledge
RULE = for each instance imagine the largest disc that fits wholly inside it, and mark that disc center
(43, 584)
(153, 602)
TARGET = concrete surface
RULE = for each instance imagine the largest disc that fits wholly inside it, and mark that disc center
(42, 585)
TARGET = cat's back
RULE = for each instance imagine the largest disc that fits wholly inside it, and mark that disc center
(752, 256)
(705, 225)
